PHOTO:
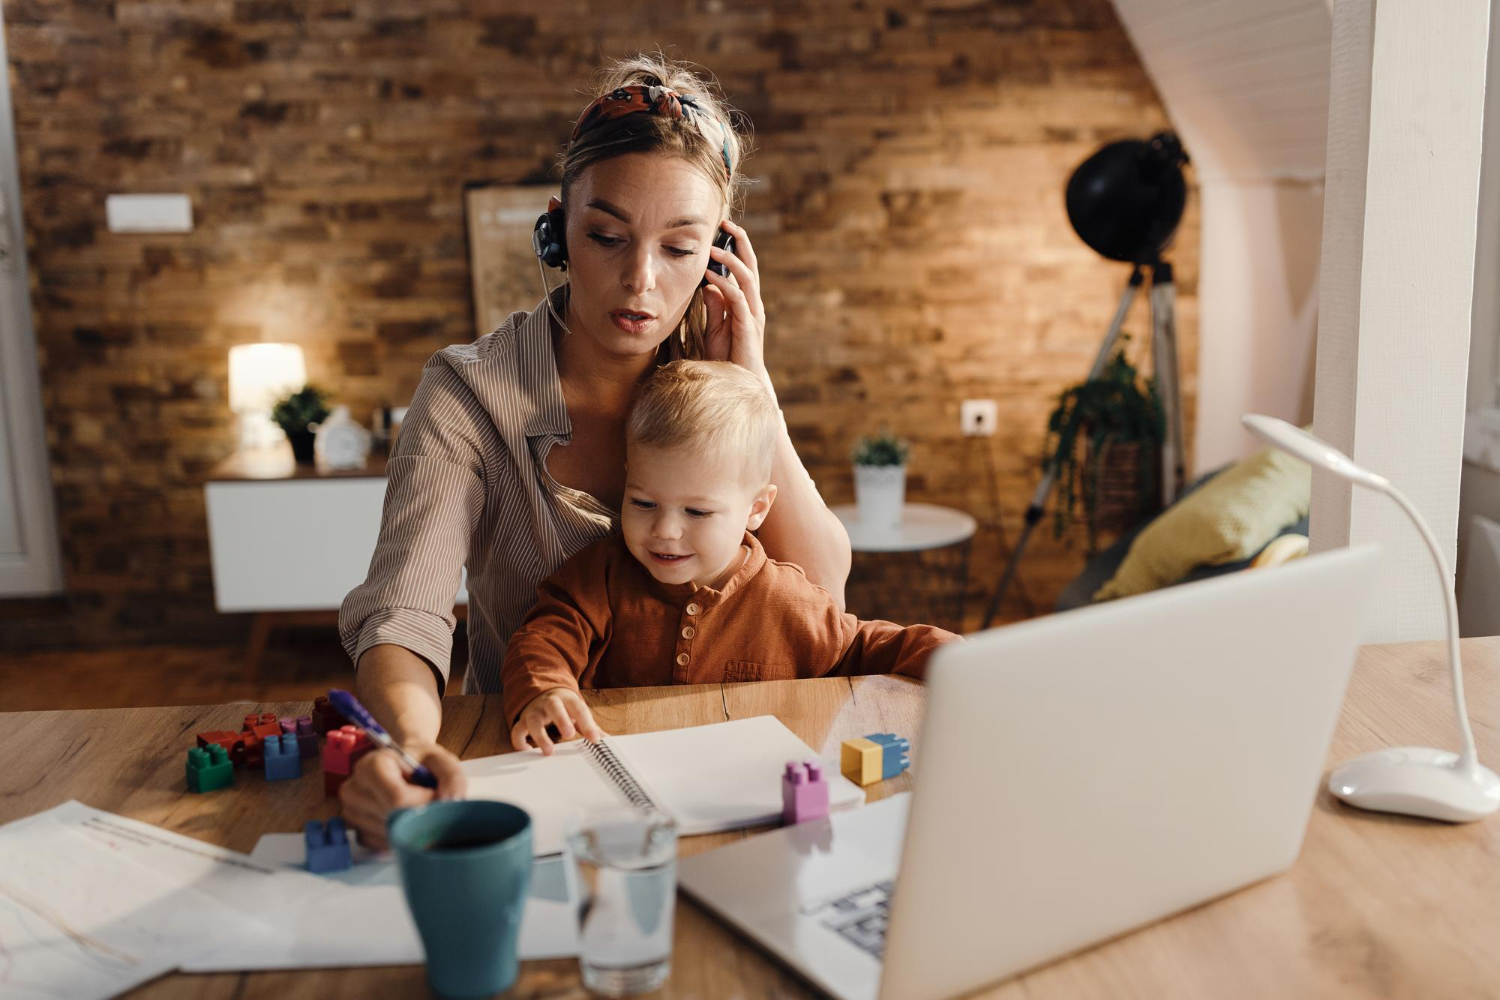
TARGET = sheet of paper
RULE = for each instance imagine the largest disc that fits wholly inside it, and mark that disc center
(548, 926)
(77, 920)
(551, 788)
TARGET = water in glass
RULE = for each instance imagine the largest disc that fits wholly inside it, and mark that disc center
(627, 878)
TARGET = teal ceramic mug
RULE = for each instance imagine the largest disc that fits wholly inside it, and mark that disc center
(465, 867)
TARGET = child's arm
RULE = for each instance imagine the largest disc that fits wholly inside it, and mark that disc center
(887, 648)
(561, 638)
(562, 707)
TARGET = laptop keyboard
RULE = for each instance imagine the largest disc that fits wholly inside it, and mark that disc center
(859, 917)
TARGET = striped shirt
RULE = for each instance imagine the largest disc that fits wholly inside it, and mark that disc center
(468, 485)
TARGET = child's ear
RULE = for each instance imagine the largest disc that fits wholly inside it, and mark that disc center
(761, 507)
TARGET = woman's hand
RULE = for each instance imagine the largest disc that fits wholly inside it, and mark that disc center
(736, 315)
(378, 786)
(561, 707)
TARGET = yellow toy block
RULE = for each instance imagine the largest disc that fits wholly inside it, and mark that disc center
(860, 760)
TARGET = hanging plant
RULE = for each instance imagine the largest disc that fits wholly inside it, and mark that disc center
(1111, 410)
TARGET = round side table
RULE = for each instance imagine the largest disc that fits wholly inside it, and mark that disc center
(916, 572)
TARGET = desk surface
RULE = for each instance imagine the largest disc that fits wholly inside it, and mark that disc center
(1376, 906)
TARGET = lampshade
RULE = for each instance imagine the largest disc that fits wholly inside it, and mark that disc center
(1312, 450)
(260, 374)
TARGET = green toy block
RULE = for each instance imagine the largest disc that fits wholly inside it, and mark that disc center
(209, 768)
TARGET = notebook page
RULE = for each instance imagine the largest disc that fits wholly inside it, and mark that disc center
(726, 775)
(551, 789)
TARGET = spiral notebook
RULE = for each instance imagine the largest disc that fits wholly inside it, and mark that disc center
(710, 778)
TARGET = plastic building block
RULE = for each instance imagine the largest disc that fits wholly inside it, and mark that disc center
(307, 740)
(874, 757)
(325, 717)
(327, 846)
(332, 783)
(804, 792)
(247, 751)
(209, 768)
(288, 724)
(263, 725)
(343, 749)
(222, 737)
(282, 761)
(894, 757)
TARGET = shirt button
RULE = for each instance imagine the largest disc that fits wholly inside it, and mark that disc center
(691, 609)
(688, 632)
(682, 659)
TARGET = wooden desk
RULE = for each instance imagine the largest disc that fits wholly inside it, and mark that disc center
(1375, 907)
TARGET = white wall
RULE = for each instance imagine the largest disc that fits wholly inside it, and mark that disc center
(1246, 87)
(1258, 309)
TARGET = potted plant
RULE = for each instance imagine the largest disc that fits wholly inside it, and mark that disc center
(298, 415)
(880, 478)
(1116, 473)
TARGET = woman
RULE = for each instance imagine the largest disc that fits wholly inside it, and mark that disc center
(649, 178)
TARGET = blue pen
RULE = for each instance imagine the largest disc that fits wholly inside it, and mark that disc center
(349, 707)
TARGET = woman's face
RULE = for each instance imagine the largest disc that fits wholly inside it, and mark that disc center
(638, 228)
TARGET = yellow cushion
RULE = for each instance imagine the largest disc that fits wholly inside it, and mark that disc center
(1228, 518)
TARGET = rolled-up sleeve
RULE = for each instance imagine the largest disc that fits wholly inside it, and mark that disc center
(434, 498)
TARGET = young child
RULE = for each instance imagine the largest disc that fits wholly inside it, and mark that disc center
(686, 594)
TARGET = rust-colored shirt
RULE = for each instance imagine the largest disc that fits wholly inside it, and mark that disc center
(602, 620)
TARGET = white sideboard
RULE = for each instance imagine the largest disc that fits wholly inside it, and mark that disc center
(289, 538)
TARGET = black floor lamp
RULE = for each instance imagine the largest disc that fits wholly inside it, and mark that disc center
(1125, 202)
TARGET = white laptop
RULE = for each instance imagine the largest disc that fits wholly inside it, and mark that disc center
(1078, 776)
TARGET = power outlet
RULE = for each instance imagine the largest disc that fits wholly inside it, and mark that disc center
(979, 417)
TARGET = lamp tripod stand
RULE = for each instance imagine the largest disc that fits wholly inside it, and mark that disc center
(1163, 298)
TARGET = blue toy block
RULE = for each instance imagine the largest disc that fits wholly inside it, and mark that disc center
(209, 768)
(804, 792)
(894, 756)
(327, 846)
(282, 758)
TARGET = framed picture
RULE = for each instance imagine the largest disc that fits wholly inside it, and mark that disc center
(501, 261)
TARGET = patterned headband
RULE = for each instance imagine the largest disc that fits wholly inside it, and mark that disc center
(665, 101)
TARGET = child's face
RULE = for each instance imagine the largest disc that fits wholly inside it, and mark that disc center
(685, 514)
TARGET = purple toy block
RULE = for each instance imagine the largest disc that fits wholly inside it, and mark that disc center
(282, 760)
(307, 739)
(327, 846)
(288, 725)
(804, 792)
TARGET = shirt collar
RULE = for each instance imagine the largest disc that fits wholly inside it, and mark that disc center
(681, 593)
(537, 370)
(537, 360)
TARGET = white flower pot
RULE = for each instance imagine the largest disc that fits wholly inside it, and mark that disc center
(880, 491)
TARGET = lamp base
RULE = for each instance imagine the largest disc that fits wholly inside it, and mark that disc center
(1416, 781)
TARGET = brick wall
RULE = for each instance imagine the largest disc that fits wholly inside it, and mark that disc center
(908, 216)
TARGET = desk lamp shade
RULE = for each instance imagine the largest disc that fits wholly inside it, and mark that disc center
(259, 375)
(1416, 781)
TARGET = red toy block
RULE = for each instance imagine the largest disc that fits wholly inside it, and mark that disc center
(263, 725)
(247, 751)
(331, 784)
(343, 749)
(222, 737)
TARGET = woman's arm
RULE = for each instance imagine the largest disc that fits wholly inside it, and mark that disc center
(800, 529)
(400, 689)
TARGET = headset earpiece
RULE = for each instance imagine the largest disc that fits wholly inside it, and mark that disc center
(549, 239)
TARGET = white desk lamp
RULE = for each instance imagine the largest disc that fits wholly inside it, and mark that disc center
(1416, 781)
(259, 375)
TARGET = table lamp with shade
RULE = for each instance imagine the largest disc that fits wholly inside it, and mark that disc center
(1415, 781)
(259, 375)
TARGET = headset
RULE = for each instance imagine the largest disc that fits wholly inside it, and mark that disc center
(549, 240)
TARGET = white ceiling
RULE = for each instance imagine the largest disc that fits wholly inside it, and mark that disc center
(1245, 83)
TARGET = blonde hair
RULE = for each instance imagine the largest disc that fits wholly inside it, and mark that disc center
(711, 407)
(679, 138)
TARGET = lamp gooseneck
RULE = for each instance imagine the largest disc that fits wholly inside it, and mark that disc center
(1415, 781)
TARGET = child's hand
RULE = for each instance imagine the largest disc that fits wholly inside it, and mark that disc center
(561, 707)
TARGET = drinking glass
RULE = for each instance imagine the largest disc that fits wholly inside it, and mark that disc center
(626, 862)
